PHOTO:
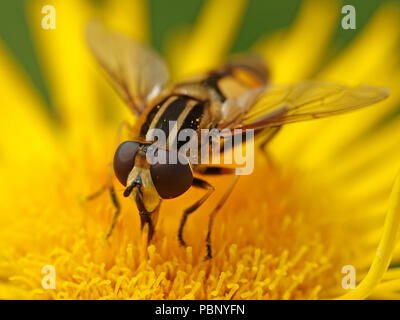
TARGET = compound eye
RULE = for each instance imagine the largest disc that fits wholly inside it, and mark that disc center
(171, 179)
(124, 160)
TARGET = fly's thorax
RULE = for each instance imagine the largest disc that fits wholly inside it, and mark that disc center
(193, 88)
(204, 102)
(234, 82)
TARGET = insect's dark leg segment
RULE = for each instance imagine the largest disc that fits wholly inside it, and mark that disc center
(96, 194)
(113, 197)
(109, 185)
(214, 213)
(215, 170)
(146, 219)
(115, 202)
(265, 136)
(197, 183)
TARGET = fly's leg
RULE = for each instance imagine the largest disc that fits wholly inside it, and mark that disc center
(117, 211)
(145, 219)
(108, 186)
(214, 213)
(216, 171)
(197, 183)
(266, 136)
(96, 194)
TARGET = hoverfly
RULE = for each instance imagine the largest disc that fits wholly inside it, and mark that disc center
(233, 96)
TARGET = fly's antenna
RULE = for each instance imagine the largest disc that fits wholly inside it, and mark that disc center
(129, 189)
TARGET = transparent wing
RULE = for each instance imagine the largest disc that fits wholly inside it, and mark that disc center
(137, 72)
(279, 105)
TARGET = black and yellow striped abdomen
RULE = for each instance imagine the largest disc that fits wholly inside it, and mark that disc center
(183, 111)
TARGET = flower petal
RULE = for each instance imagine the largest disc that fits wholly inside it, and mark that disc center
(384, 252)
(210, 39)
(25, 129)
(295, 55)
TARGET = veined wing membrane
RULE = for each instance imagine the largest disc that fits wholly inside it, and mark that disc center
(137, 72)
(305, 101)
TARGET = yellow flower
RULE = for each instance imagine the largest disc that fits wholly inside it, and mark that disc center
(285, 233)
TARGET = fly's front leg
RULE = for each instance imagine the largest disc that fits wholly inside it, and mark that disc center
(197, 183)
(108, 186)
(214, 213)
(117, 211)
(265, 136)
(145, 219)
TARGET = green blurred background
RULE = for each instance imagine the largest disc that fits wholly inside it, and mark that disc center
(261, 17)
